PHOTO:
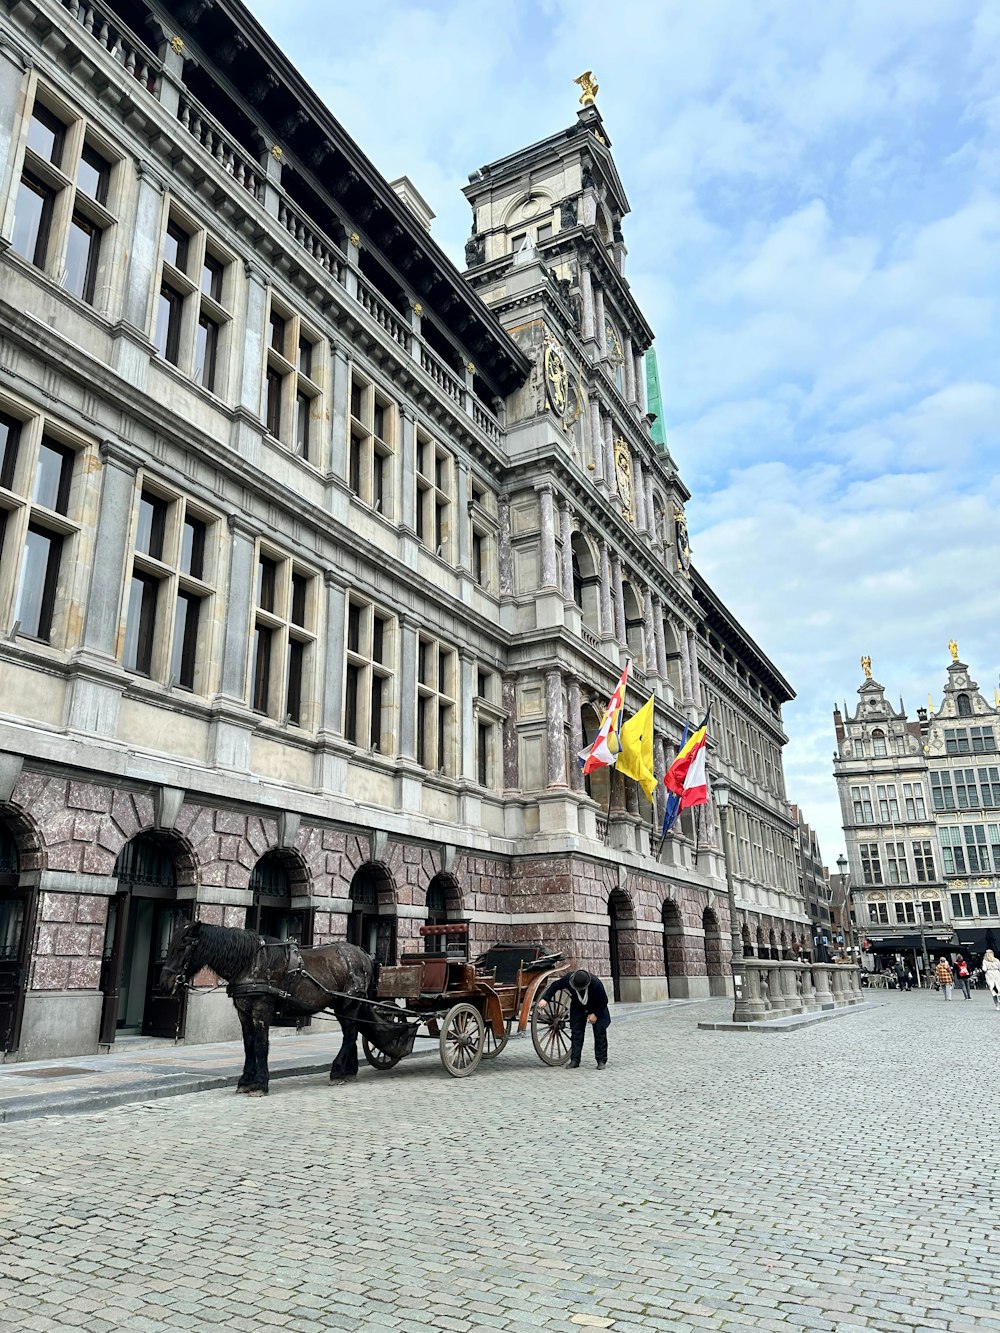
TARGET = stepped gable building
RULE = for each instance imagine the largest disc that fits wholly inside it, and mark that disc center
(319, 558)
(917, 798)
(814, 884)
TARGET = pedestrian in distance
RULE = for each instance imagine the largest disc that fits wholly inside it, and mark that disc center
(991, 971)
(588, 1004)
(900, 972)
(944, 977)
(962, 972)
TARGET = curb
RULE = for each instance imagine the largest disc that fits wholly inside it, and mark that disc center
(793, 1023)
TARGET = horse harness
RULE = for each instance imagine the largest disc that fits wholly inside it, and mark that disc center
(250, 987)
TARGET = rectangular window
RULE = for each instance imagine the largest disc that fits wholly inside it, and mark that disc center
(273, 412)
(175, 246)
(32, 220)
(212, 275)
(10, 435)
(895, 861)
(261, 694)
(862, 802)
(369, 668)
(93, 175)
(82, 251)
(277, 332)
(436, 707)
(976, 849)
(303, 407)
(923, 861)
(205, 351)
(46, 134)
(888, 806)
(913, 797)
(192, 326)
(296, 670)
(152, 525)
(878, 914)
(905, 913)
(983, 740)
(942, 795)
(267, 575)
(169, 312)
(932, 910)
(53, 476)
(193, 547)
(39, 579)
(961, 904)
(986, 904)
(871, 867)
(184, 655)
(140, 626)
(966, 792)
(989, 788)
(284, 641)
(953, 851)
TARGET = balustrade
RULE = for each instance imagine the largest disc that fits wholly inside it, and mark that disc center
(441, 376)
(486, 421)
(134, 57)
(770, 989)
(383, 315)
(203, 127)
(311, 240)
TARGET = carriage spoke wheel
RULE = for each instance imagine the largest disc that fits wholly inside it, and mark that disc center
(550, 1030)
(492, 1046)
(376, 1058)
(462, 1039)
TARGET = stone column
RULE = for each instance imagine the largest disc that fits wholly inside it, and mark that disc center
(621, 632)
(337, 459)
(617, 792)
(13, 64)
(682, 642)
(602, 342)
(549, 578)
(640, 384)
(654, 536)
(462, 519)
(505, 555)
(467, 739)
(587, 294)
(555, 736)
(100, 630)
(695, 673)
(821, 985)
(408, 469)
(575, 732)
(566, 534)
(661, 646)
(639, 474)
(408, 649)
(144, 248)
(659, 767)
(607, 611)
(629, 368)
(649, 635)
(597, 441)
(511, 780)
(238, 602)
(251, 357)
(332, 719)
(609, 456)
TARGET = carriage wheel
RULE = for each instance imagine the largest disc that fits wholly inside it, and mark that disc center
(550, 1030)
(462, 1039)
(376, 1058)
(492, 1046)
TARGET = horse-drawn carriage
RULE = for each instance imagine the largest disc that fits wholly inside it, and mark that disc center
(470, 1006)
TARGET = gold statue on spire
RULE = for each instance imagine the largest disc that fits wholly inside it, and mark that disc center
(953, 649)
(866, 666)
(588, 88)
(930, 706)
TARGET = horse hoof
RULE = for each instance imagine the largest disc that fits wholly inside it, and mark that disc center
(340, 1079)
(248, 1091)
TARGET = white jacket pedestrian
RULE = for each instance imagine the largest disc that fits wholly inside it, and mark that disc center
(991, 972)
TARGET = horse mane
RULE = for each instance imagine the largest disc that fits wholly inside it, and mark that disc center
(227, 950)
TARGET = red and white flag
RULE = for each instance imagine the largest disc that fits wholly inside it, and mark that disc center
(606, 746)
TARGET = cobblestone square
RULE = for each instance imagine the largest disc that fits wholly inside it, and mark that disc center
(833, 1178)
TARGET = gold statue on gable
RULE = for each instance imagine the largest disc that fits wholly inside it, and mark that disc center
(589, 88)
(953, 649)
(866, 666)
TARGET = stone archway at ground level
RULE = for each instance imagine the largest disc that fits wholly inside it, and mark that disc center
(371, 924)
(623, 947)
(714, 953)
(674, 964)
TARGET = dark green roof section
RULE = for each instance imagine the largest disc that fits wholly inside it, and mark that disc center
(654, 400)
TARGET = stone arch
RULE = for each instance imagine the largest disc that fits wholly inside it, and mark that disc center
(672, 649)
(17, 920)
(277, 877)
(623, 952)
(372, 921)
(714, 965)
(879, 747)
(24, 832)
(586, 581)
(635, 623)
(443, 904)
(513, 214)
(674, 962)
(964, 705)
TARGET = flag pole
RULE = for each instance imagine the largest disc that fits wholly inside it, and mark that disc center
(607, 817)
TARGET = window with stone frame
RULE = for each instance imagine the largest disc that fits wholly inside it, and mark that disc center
(745, 760)
(67, 198)
(42, 479)
(879, 748)
(969, 740)
(757, 846)
(993, 836)
(931, 910)
(953, 851)
(435, 489)
(989, 788)
(895, 863)
(171, 586)
(537, 231)
(906, 912)
(942, 794)
(484, 522)
(488, 716)
(878, 914)
(294, 375)
(369, 677)
(770, 865)
(282, 667)
(966, 790)
(913, 800)
(961, 904)
(861, 802)
(437, 692)
(986, 904)
(871, 865)
(192, 318)
(888, 804)
(746, 857)
(923, 861)
(977, 852)
(372, 434)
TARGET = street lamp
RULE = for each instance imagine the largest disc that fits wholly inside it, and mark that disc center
(720, 790)
(845, 881)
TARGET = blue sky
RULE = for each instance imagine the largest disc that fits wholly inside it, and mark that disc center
(815, 238)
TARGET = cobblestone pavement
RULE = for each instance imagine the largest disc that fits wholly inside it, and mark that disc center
(832, 1178)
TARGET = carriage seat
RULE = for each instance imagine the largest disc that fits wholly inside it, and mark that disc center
(435, 970)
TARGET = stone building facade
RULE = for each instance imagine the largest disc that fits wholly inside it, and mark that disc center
(917, 798)
(814, 883)
(318, 558)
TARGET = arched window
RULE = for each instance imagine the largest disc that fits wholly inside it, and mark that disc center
(369, 929)
(634, 625)
(271, 913)
(964, 706)
(879, 749)
(586, 583)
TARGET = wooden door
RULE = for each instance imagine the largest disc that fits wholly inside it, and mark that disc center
(163, 1013)
(16, 928)
(112, 963)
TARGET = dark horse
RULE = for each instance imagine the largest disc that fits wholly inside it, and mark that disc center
(267, 977)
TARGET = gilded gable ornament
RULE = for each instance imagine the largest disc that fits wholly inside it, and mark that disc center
(683, 545)
(589, 88)
(556, 378)
(623, 474)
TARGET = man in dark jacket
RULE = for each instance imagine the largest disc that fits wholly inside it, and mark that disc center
(588, 1004)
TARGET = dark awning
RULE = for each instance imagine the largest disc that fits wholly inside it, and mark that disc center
(977, 938)
(902, 943)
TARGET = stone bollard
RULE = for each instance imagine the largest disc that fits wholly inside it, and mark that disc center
(821, 981)
(809, 1003)
(857, 994)
(789, 987)
(752, 1007)
(777, 990)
